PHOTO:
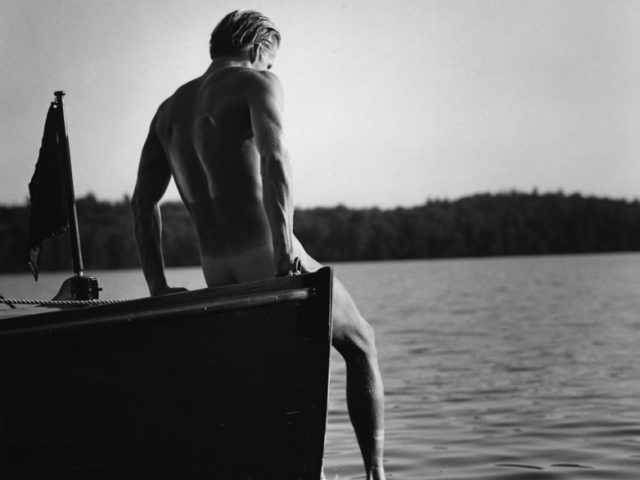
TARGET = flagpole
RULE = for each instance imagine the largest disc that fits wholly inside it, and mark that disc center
(68, 180)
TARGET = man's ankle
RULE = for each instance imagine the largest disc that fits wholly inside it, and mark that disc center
(377, 473)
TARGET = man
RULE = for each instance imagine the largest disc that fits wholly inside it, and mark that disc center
(220, 137)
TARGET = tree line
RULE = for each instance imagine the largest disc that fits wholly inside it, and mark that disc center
(509, 223)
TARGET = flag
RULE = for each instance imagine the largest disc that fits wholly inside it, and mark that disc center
(47, 191)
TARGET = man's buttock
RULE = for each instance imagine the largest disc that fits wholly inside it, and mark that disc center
(245, 266)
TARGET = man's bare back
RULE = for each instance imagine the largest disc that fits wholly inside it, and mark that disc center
(205, 129)
(220, 137)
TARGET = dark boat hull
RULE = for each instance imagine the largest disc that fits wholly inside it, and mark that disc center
(226, 383)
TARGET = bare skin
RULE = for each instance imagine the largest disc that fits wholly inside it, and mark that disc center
(220, 137)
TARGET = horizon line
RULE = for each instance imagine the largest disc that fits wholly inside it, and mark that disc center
(508, 191)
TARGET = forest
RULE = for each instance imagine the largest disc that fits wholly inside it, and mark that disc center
(500, 224)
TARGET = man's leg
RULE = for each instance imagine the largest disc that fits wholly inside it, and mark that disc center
(353, 337)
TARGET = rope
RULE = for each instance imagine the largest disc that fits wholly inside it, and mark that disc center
(57, 303)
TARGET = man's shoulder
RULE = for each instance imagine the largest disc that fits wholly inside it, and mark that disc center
(267, 79)
(265, 76)
(185, 90)
(263, 82)
(177, 99)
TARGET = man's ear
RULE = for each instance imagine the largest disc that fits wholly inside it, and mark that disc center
(254, 52)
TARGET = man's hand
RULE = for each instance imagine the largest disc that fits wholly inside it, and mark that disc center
(296, 267)
(168, 290)
(290, 267)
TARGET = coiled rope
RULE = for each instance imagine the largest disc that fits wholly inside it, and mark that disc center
(57, 303)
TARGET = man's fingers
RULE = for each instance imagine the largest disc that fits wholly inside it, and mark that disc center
(177, 290)
(169, 290)
(296, 266)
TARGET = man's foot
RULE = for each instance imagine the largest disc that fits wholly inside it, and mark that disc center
(377, 473)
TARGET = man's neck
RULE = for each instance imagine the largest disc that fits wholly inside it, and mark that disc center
(229, 61)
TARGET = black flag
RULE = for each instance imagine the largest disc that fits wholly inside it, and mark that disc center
(49, 216)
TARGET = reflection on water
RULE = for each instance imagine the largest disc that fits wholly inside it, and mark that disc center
(518, 368)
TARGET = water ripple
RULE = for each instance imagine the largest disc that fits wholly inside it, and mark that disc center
(501, 369)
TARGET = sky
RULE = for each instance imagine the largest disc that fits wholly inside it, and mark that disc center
(387, 103)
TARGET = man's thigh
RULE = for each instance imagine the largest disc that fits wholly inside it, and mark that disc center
(350, 330)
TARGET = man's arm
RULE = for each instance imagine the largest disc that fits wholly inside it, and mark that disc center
(153, 178)
(265, 103)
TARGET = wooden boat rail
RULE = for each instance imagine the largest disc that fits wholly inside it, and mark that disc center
(211, 306)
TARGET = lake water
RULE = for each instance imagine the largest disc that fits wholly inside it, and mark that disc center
(508, 368)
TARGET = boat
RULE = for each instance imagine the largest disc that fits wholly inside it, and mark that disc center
(219, 383)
